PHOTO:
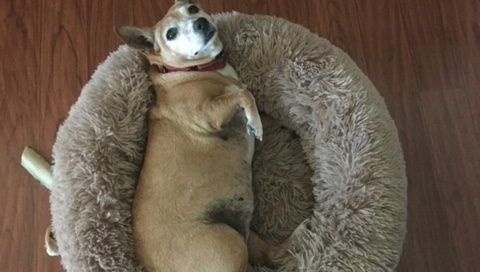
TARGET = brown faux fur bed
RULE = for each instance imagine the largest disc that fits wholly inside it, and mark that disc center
(330, 155)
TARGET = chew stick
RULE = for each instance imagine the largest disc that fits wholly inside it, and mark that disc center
(38, 167)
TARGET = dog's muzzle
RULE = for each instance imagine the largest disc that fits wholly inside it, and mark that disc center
(203, 26)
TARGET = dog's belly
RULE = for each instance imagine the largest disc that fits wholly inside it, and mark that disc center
(194, 195)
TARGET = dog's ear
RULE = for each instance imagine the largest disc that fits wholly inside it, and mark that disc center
(51, 243)
(136, 37)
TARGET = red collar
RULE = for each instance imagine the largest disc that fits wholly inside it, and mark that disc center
(217, 63)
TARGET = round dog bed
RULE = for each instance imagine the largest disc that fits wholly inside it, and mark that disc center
(330, 158)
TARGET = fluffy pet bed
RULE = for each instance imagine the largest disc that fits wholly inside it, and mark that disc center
(330, 155)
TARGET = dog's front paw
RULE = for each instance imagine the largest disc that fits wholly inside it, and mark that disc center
(256, 129)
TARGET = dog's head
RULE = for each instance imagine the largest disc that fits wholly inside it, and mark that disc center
(186, 36)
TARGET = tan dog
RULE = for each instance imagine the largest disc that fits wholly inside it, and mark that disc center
(194, 199)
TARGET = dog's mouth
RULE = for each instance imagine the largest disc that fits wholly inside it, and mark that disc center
(208, 40)
(210, 35)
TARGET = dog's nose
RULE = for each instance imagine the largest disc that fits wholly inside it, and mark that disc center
(201, 25)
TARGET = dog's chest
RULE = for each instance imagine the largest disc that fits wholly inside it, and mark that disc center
(229, 72)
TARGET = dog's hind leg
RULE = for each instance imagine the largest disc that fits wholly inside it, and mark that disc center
(215, 248)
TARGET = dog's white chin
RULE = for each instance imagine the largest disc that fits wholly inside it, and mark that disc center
(210, 50)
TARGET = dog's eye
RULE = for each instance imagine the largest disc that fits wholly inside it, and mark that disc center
(171, 33)
(193, 9)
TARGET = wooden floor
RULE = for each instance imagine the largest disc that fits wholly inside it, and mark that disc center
(423, 55)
